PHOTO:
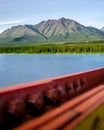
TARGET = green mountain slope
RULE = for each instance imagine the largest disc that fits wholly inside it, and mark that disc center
(50, 31)
(22, 34)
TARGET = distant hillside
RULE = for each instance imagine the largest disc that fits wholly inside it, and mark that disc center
(65, 30)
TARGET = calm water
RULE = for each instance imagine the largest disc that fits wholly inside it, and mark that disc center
(16, 69)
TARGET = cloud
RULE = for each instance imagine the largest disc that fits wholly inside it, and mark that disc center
(11, 22)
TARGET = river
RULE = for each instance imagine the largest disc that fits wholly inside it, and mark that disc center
(16, 69)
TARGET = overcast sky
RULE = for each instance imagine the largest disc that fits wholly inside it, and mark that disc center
(16, 12)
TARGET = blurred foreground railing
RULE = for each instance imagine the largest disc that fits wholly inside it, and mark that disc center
(70, 102)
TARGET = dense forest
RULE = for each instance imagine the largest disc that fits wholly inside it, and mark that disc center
(55, 48)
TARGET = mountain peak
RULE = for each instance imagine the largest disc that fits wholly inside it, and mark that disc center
(61, 26)
(63, 18)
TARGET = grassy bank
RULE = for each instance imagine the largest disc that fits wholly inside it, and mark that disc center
(55, 48)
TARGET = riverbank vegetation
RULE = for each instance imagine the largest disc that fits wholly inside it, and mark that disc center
(55, 48)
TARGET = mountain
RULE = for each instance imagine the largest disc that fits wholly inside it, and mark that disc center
(22, 34)
(67, 30)
(50, 31)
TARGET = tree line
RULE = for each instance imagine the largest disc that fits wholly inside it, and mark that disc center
(54, 48)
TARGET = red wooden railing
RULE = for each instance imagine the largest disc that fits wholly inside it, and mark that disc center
(57, 103)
